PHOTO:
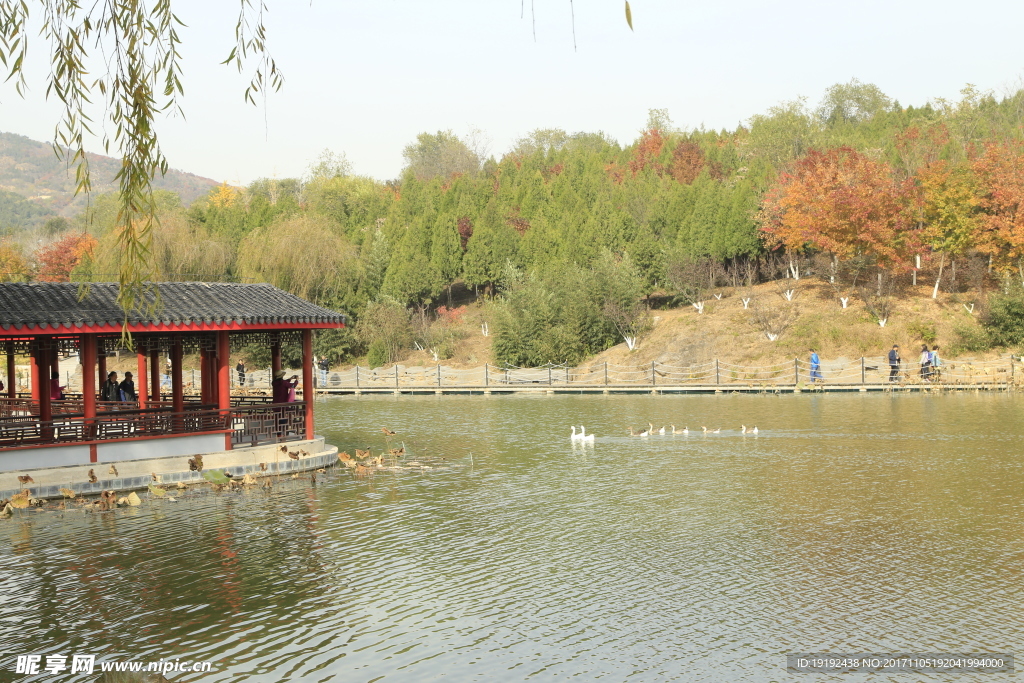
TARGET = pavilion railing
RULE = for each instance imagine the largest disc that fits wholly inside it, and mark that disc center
(250, 425)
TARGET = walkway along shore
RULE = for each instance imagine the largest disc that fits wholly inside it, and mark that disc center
(863, 374)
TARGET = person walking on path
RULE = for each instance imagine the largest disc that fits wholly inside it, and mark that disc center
(936, 364)
(815, 367)
(926, 364)
(110, 391)
(325, 365)
(127, 389)
(894, 363)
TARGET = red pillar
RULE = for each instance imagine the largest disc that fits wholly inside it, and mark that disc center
(224, 381)
(140, 376)
(35, 375)
(275, 358)
(41, 371)
(154, 374)
(307, 379)
(87, 345)
(12, 390)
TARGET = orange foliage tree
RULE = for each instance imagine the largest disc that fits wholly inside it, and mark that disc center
(844, 203)
(13, 266)
(1001, 174)
(55, 261)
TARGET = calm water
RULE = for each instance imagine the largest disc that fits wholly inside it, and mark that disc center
(861, 523)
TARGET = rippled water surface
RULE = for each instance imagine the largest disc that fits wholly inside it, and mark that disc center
(857, 523)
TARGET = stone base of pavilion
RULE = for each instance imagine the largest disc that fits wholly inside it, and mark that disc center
(138, 473)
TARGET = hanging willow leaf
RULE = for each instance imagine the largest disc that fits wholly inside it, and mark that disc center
(629, 16)
(215, 477)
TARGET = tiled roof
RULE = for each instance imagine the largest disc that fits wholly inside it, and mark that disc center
(57, 305)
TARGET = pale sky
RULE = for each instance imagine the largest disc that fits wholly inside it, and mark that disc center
(364, 78)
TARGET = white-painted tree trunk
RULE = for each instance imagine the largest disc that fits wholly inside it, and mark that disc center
(935, 289)
(699, 305)
(794, 270)
(969, 308)
(630, 343)
(718, 296)
(789, 294)
(844, 300)
(771, 336)
(485, 330)
(882, 321)
(746, 302)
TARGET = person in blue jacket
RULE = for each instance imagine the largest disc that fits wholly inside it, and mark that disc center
(894, 363)
(815, 367)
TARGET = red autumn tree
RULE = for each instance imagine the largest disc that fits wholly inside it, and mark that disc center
(687, 162)
(844, 203)
(1001, 178)
(55, 262)
(646, 152)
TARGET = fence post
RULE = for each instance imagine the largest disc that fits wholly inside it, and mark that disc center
(606, 373)
(567, 374)
(357, 376)
(796, 371)
(485, 374)
(396, 376)
(438, 374)
(718, 373)
(654, 380)
(863, 373)
(549, 377)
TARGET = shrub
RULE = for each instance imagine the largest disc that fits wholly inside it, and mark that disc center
(924, 331)
(378, 354)
(1005, 320)
(970, 338)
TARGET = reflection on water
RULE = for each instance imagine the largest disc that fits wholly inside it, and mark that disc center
(850, 523)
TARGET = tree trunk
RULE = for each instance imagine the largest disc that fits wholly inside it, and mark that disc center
(942, 263)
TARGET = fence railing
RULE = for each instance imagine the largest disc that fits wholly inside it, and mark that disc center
(866, 370)
(249, 424)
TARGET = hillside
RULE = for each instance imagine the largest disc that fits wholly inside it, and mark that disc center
(30, 169)
(726, 331)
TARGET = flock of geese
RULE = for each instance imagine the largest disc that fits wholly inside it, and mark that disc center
(583, 437)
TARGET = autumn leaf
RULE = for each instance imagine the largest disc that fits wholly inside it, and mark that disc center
(157, 491)
(215, 477)
(67, 493)
(19, 501)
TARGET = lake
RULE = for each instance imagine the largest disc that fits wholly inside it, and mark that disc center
(850, 523)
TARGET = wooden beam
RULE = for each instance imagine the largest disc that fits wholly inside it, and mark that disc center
(307, 379)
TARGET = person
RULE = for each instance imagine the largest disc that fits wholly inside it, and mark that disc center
(110, 391)
(56, 390)
(240, 369)
(926, 357)
(292, 383)
(894, 363)
(325, 365)
(279, 387)
(815, 367)
(936, 363)
(127, 388)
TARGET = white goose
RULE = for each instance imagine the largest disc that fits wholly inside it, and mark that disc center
(575, 436)
(632, 433)
(754, 430)
(743, 429)
(584, 437)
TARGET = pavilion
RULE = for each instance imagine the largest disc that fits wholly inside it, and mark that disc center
(44, 320)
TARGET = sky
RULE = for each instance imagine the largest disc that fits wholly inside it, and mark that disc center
(364, 78)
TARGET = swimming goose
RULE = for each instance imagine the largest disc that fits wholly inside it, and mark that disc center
(584, 437)
(575, 436)
(632, 433)
(754, 430)
(704, 429)
(743, 429)
(686, 430)
(662, 431)
(716, 431)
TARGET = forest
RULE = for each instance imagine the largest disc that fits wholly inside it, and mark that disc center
(571, 239)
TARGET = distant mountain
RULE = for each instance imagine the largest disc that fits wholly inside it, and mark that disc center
(30, 169)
